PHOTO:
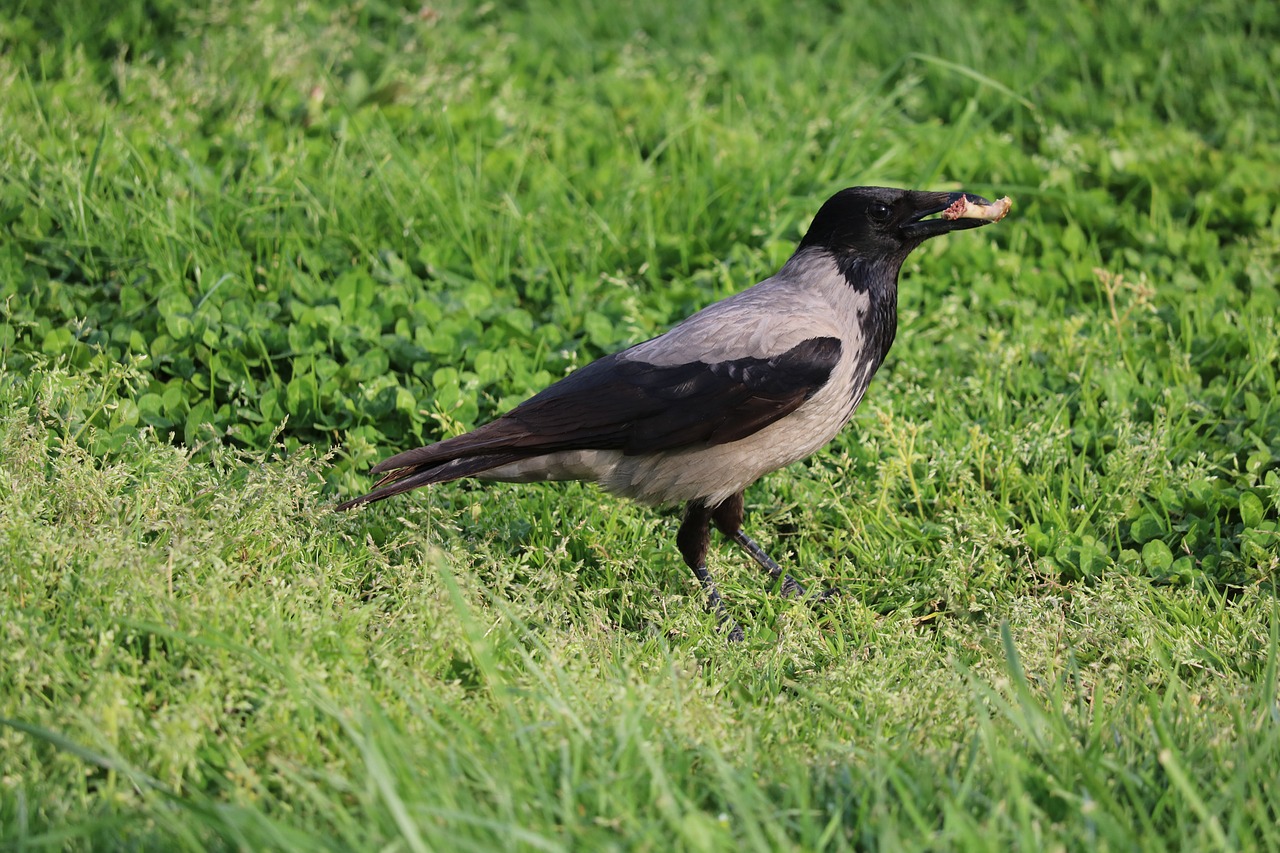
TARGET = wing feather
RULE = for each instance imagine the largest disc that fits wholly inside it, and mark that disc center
(619, 404)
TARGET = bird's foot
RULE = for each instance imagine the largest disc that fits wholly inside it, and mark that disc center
(715, 604)
(791, 587)
(824, 596)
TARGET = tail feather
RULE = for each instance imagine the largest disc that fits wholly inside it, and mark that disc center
(410, 477)
(488, 439)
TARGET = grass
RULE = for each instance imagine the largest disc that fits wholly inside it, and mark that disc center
(251, 247)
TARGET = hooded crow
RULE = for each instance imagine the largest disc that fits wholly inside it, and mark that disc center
(741, 388)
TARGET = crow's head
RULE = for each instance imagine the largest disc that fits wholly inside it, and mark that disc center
(883, 224)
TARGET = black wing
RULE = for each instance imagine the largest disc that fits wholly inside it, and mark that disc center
(619, 404)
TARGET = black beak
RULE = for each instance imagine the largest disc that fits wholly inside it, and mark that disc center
(928, 204)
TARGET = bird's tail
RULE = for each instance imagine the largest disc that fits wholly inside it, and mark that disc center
(411, 475)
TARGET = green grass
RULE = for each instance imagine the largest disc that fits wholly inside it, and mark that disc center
(250, 248)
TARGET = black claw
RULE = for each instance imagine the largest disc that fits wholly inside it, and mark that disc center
(693, 538)
(725, 620)
(791, 588)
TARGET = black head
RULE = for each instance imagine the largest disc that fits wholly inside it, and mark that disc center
(883, 224)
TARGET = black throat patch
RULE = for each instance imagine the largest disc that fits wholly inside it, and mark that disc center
(878, 281)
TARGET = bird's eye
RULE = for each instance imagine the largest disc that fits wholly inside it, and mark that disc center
(878, 212)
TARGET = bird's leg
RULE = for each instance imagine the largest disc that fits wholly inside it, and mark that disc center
(728, 519)
(693, 539)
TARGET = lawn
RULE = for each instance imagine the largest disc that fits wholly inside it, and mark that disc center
(250, 248)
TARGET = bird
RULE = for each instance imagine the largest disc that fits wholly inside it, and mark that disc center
(739, 389)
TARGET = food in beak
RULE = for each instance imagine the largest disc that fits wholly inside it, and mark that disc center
(965, 209)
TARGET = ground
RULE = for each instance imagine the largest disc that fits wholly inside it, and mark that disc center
(251, 248)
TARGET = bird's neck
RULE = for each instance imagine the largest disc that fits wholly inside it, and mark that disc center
(874, 284)
(883, 328)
